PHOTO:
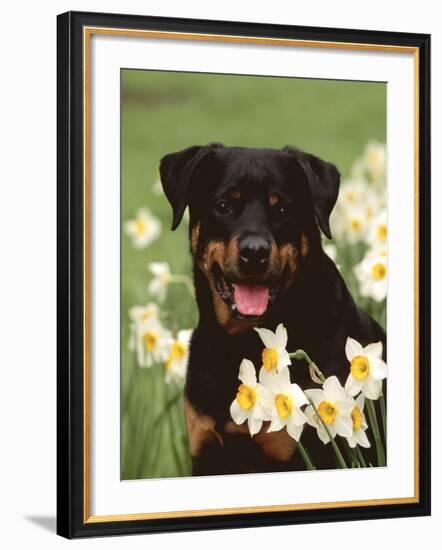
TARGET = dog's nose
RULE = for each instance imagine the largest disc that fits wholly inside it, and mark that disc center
(254, 253)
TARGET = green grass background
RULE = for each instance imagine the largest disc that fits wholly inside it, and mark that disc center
(162, 112)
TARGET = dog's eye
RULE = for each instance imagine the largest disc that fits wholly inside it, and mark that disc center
(224, 208)
(281, 211)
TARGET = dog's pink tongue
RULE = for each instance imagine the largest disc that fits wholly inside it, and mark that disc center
(251, 299)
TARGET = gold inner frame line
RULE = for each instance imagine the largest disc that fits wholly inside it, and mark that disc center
(87, 33)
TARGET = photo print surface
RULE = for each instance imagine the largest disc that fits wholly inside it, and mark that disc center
(253, 273)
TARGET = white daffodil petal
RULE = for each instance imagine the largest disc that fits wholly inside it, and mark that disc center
(372, 388)
(378, 369)
(267, 336)
(352, 348)
(158, 268)
(284, 378)
(310, 414)
(353, 386)
(360, 402)
(333, 389)
(345, 407)
(295, 431)
(344, 426)
(254, 424)
(262, 411)
(239, 416)
(379, 291)
(281, 336)
(374, 350)
(247, 373)
(276, 424)
(362, 439)
(266, 378)
(315, 395)
(323, 436)
(283, 360)
(298, 418)
(332, 429)
(299, 396)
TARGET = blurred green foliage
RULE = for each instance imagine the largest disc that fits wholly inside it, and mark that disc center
(163, 112)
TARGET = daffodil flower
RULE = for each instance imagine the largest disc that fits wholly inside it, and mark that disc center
(377, 233)
(177, 357)
(358, 437)
(151, 341)
(367, 369)
(372, 275)
(274, 356)
(352, 193)
(286, 403)
(160, 281)
(144, 229)
(138, 314)
(334, 407)
(252, 399)
(374, 161)
(355, 224)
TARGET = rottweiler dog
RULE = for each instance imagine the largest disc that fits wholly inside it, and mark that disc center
(255, 222)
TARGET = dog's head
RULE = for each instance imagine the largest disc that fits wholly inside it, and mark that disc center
(253, 219)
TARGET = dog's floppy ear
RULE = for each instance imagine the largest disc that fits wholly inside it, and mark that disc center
(177, 170)
(323, 179)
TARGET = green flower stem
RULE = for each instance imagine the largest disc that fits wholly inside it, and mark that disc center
(187, 281)
(360, 456)
(384, 416)
(380, 453)
(338, 453)
(355, 457)
(305, 456)
(300, 355)
(351, 455)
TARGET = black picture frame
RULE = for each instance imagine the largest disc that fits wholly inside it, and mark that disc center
(71, 519)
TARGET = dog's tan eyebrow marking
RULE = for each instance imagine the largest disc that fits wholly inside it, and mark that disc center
(273, 199)
(235, 195)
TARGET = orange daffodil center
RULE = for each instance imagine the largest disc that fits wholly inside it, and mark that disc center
(356, 417)
(381, 232)
(150, 340)
(270, 358)
(284, 405)
(139, 227)
(378, 271)
(327, 411)
(360, 367)
(177, 352)
(246, 397)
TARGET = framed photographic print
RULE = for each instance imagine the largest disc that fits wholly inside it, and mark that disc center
(243, 274)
